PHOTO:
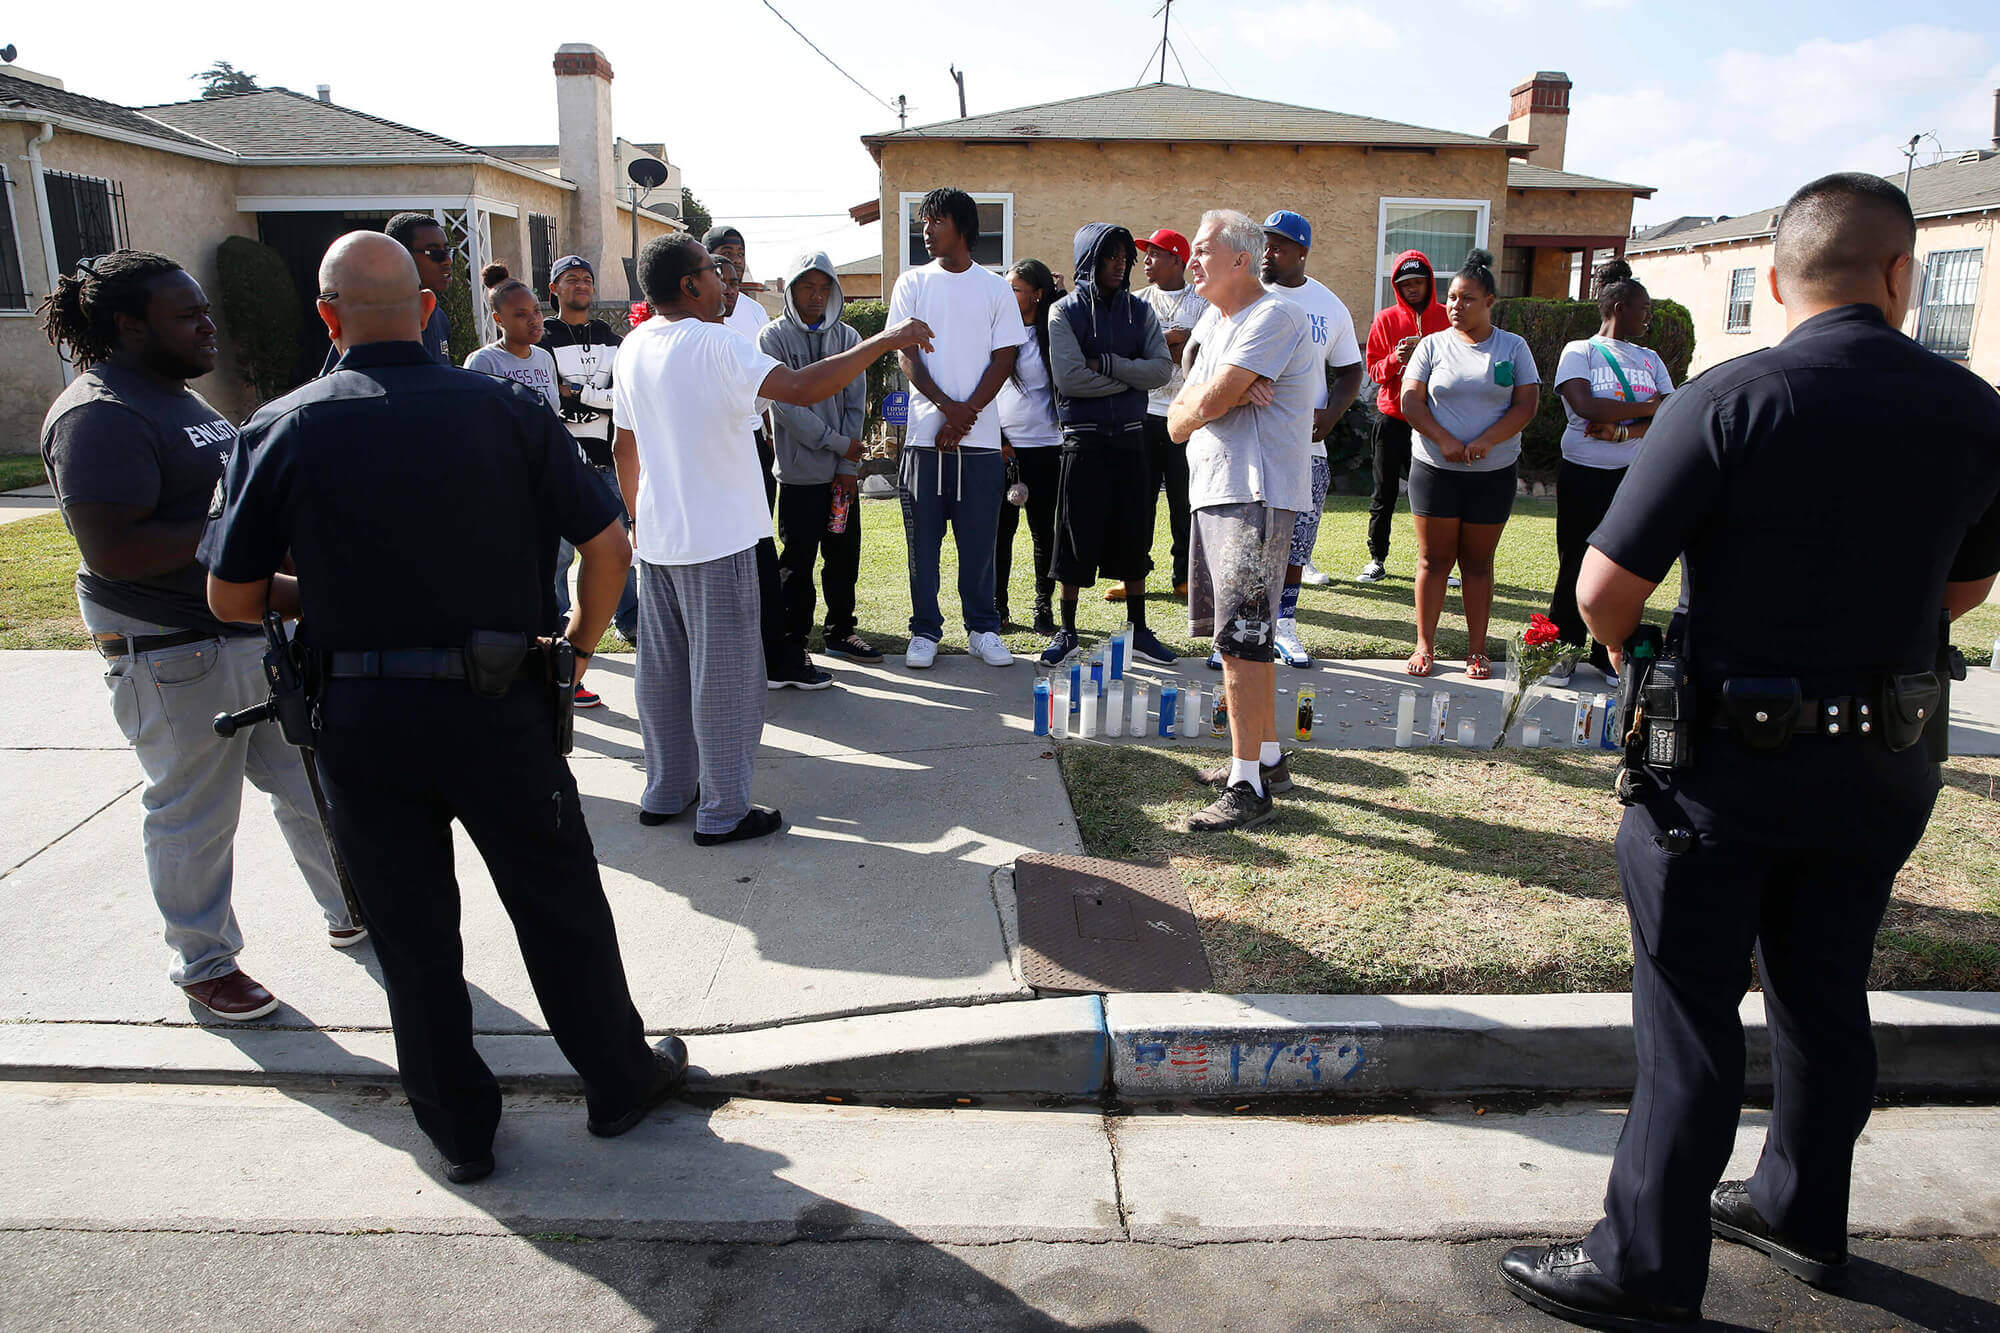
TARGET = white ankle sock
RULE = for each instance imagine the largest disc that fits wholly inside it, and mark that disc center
(1245, 770)
(1269, 754)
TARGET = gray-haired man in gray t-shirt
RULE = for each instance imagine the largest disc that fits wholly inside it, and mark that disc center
(1245, 415)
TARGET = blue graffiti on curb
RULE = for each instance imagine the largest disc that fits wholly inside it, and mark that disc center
(1307, 1062)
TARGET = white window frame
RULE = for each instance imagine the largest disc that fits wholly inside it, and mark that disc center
(20, 251)
(1003, 198)
(1729, 324)
(1480, 241)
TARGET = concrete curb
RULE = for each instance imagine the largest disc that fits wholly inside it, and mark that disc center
(1135, 1047)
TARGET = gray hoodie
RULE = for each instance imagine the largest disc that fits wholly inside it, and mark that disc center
(809, 441)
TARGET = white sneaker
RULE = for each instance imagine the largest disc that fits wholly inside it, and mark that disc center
(921, 653)
(1451, 581)
(987, 648)
(1289, 647)
(1310, 574)
(1372, 572)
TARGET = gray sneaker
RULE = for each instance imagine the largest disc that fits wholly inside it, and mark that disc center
(1372, 572)
(1277, 777)
(1237, 808)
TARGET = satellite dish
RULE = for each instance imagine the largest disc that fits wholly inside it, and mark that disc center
(648, 173)
(7, 53)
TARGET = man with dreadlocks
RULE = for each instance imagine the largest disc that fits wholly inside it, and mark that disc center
(136, 455)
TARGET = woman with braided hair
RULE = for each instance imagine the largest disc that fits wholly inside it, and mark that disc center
(135, 456)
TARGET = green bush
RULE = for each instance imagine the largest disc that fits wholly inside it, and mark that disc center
(260, 311)
(1547, 326)
(870, 318)
(458, 308)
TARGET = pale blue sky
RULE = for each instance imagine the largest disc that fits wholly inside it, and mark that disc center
(1723, 106)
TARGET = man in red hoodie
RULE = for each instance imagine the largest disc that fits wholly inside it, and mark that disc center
(1391, 339)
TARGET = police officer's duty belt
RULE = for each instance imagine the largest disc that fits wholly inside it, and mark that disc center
(1767, 711)
(415, 664)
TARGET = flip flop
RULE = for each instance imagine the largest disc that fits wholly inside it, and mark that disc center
(1419, 664)
(1477, 667)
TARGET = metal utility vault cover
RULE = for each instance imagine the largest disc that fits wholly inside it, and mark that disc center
(1088, 924)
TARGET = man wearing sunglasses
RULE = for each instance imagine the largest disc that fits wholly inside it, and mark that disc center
(424, 237)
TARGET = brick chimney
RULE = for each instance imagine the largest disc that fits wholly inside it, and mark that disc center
(1540, 115)
(583, 126)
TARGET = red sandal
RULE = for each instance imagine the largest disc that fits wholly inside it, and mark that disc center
(1477, 667)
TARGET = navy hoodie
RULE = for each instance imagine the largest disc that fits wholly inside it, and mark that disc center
(1106, 352)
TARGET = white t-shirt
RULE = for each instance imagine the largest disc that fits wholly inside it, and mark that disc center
(537, 370)
(1588, 359)
(1332, 332)
(1175, 310)
(971, 315)
(1028, 409)
(684, 388)
(748, 318)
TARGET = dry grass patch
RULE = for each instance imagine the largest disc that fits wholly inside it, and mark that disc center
(1437, 872)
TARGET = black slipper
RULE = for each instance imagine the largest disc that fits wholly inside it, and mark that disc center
(653, 818)
(757, 824)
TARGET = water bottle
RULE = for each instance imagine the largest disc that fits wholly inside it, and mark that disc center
(1042, 700)
(1304, 728)
(1170, 698)
(837, 518)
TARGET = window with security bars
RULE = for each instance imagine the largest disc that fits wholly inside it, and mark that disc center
(541, 250)
(1742, 283)
(1444, 231)
(87, 215)
(13, 281)
(1944, 315)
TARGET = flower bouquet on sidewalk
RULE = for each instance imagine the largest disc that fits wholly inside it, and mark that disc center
(1534, 650)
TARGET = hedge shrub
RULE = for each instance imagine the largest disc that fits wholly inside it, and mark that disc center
(870, 318)
(260, 310)
(1547, 326)
(462, 314)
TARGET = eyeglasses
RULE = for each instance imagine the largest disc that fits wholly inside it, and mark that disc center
(329, 297)
(437, 254)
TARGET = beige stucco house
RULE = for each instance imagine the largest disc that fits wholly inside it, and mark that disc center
(1720, 270)
(83, 176)
(1160, 154)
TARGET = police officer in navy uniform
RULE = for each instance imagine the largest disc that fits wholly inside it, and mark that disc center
(344, 474)
(1835, 498)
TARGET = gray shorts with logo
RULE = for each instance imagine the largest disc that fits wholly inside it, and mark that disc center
(1237, 555)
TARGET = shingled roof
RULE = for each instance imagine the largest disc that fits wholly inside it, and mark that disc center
(276, 122)
(1522, 176)
(1167, 111)
(27, 95)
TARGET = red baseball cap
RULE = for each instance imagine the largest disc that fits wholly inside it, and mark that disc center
(1166, 238)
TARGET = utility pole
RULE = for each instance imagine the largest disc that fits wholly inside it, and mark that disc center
(902, 111)
(1910, 165)
(958, 77)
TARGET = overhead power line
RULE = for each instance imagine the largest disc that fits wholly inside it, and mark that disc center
(886, 103)
(1204, 56)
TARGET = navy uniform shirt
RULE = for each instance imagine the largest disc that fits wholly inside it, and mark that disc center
(437, 341)
(419, 502)
(1823, 491)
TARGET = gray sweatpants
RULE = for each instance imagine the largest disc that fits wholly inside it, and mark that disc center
(164, 702)
(701, 686)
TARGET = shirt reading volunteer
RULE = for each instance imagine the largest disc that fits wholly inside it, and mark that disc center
(971, 316)
(1332, 331)
(536, 371)
(117, 437)
(1745, 468)
(1471, 386)
(1175, 310)
(419, 502)
(1591, 360)
(1257, 453)
(686, 390)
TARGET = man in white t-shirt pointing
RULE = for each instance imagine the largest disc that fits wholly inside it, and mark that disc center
(682, 393)
(1288, 240)
(952, 468)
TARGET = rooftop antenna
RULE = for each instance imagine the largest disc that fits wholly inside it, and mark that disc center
(958, 76)
(1164, 47)
(1166, 17)
(1910, 163)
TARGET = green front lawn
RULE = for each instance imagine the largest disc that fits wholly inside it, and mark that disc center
(20, 471)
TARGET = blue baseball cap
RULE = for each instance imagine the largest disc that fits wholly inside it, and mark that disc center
(1291, 226)
(568, 262)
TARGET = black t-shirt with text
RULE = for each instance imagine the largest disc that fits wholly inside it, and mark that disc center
(1823, 491)
(119, 437)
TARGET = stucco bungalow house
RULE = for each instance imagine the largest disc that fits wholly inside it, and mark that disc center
(1720, 270)
(1160, 154)
(83, 175)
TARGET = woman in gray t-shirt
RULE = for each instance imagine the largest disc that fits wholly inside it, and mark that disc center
(1467, 393)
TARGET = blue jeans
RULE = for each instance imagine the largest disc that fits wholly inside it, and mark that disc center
(964, 488)
(626, 618)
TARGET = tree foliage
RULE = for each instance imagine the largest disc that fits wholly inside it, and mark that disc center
(223, 79)
(464, 316)
(693, 215)
(260, 312)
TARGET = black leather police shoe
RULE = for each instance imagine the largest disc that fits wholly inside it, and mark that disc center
(670, 1068)
(1732, 1216)
(1562, 1280)
(465, 1173)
